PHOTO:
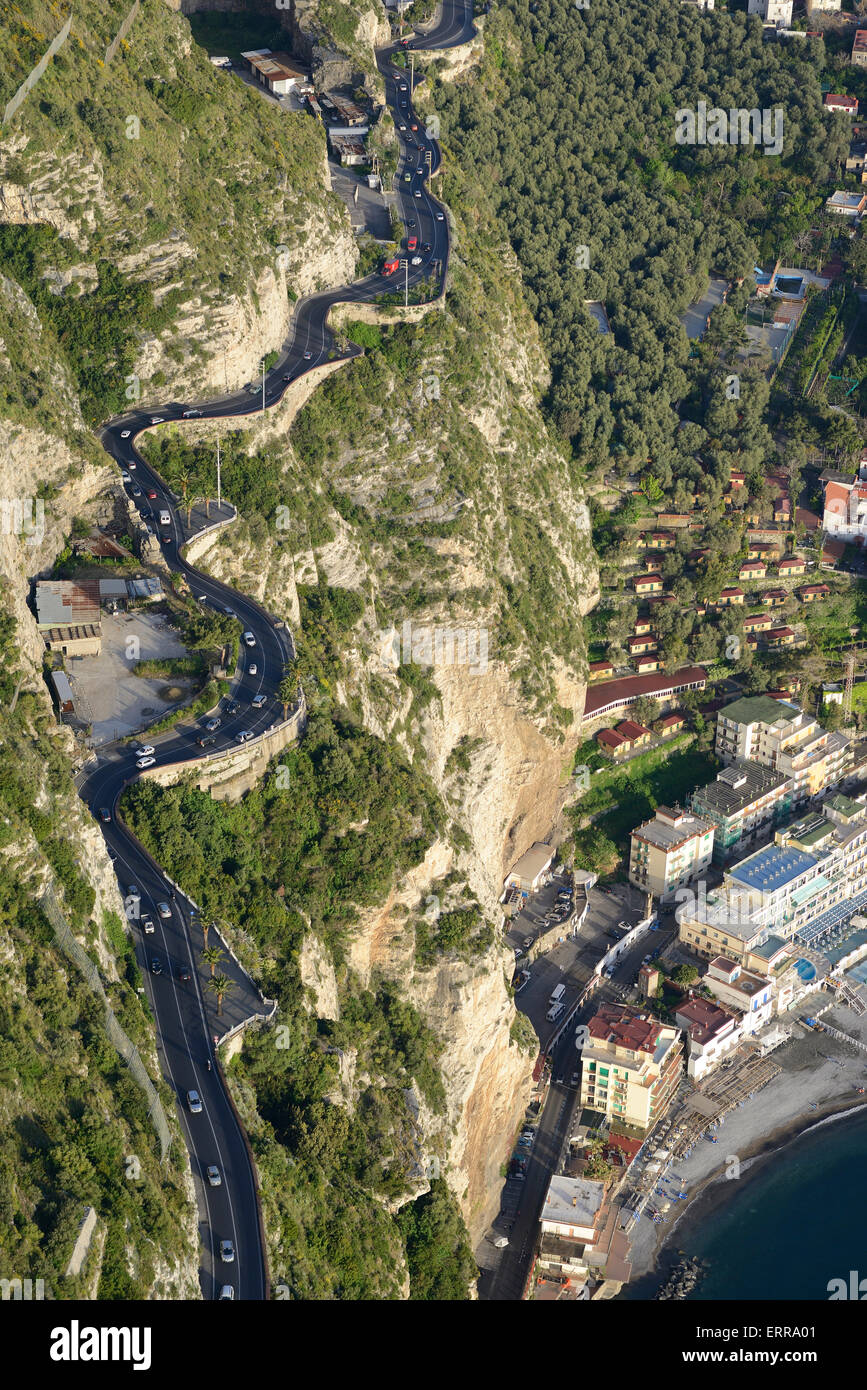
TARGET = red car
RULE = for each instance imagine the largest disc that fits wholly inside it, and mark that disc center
(151, 493)
(413, 243)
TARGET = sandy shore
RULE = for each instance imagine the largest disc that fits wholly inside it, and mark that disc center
(819, 1079)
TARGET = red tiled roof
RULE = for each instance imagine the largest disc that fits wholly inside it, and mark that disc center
(731, 593)
(610, 739)
(671, 719)
(629, 729)
(793, 562)
(623, 1026)
(627, 688)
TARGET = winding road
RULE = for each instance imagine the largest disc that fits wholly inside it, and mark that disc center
(187, 1026)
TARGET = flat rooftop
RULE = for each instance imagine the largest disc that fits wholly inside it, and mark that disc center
(772, 867)
(573, 1201)
(737, 787)
(759, 709)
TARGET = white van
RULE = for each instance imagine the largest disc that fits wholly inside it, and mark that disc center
(557, 994)
(554, 1013)
(165, 519)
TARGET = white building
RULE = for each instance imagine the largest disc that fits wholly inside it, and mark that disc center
(748, 994)
(778, 734)
(777, 12)
(712, 1032)
(529, 872)
(823, 6)
(668, 851)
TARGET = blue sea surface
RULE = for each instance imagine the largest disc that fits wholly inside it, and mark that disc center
(792, 1223)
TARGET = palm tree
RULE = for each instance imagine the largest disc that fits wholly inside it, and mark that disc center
(191, 501)
(221, 984)
(212, 955)
(206, 927)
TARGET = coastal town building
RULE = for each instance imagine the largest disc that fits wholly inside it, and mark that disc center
(779, 735)
(631, 1067)
(608, 697)
(579, 1234)
(528, 872)
(747, 993)
(743, 804)
(712, 1032)
(668, 851)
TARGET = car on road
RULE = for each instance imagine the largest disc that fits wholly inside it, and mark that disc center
(226, 1292)
(125, 434)
(426, 246)
(157, 420)
(527, 942)
(184, 974)
(133, 891)
(205, 740)
(624, 926)
(412, 243)
(414, 127)
(151, 493)
(229, 612)
(249, 638)
(164, 910)
(136, 492)
(307, 355)
(243, 736)
(420, 169)
(416, 260)
(104, 815)
(147, 926)
(189, 414)
(407, 178)
(213, 724)
(145, 762)
(213, 1172)
(227, 1251)
(441, 217)
(253, 669)
(403, 86)
(417, 193)
(156, 966)
(124, 477)
(401, 126)
(131, 464)
(523, 980)
(233, 707)
(258, 701)
(145, 750)
(194, 1102)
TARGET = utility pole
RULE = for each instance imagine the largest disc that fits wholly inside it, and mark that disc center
(847, 689)
(263, 385)
(406, 285)
(218, 472)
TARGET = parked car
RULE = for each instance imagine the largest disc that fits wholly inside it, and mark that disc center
(527, 942)
(194, 1102)
(227, 1251)
(523, 980)
(213, 1172)
(164, 910)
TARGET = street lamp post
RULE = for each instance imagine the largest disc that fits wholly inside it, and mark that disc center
(218, 472)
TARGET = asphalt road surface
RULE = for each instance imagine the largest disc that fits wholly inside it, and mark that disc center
(185, 1010)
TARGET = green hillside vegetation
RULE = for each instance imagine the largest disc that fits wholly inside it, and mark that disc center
(162, 150)
(76, 1132)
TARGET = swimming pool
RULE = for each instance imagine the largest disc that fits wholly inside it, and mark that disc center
(805, 969)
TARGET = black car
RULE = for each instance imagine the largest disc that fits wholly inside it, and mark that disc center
(156, 966)
(205, 740)
(233, 707)
(104, 814)
(426, 246)
(184, 974)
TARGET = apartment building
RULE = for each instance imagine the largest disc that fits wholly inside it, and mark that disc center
(580, 1231)
(778, 734)
(744, 804)
(747, 993)
(631, 1067)
(711, 1033)
(845, 514)
(668, 851)
(778, 12)
(810, 880)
